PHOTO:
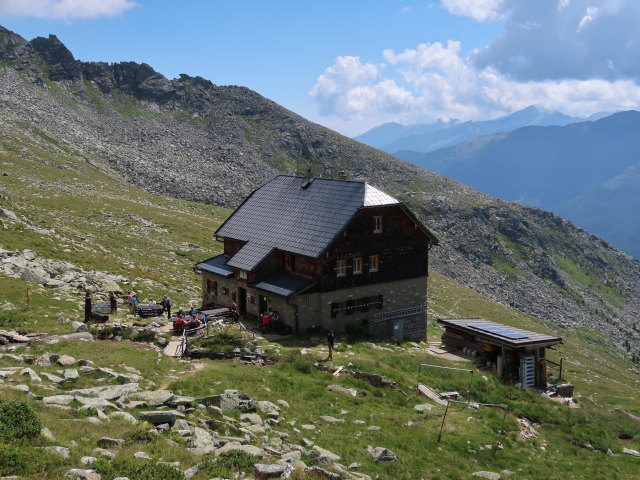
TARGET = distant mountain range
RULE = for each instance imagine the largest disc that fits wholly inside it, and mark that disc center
(588, 172)
(393, 137)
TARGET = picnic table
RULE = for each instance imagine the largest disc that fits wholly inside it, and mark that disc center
(150, 310)
(186, 323)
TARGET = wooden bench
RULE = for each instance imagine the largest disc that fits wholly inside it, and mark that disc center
(101, 308)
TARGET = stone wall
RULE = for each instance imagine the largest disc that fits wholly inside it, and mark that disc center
(315, 309)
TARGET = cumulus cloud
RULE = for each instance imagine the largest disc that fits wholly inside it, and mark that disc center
(434, 81)
(574, 39)
(575, 56)
(479, 10)
(340, 86)
(64, 9)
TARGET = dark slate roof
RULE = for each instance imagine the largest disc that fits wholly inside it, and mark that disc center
(299, 215)
(216, 265)
(285, 284)
(497, 333)
(250, 255)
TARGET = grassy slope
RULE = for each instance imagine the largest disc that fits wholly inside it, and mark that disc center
(77, 200)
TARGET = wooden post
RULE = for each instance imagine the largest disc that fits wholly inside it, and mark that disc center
(443, 418)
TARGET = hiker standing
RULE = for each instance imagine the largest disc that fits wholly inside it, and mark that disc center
(266, 321)
(129, 304)
(331, 341)
(134, 303)
(114, 303)
(87, 307)
(234, 312)
(166, 303)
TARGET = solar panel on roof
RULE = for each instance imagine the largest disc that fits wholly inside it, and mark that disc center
(498, 331)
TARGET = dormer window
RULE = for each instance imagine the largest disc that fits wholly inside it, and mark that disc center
(341, 268)
(377, 224)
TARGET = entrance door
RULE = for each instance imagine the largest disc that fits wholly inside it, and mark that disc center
(262, 304)
(242, 300)
(397, 325)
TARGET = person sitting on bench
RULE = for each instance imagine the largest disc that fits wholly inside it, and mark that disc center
(180, 313)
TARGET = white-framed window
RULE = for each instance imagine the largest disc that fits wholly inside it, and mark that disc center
(341, 268)
(377, 224)
(374, 263)
(357, 265)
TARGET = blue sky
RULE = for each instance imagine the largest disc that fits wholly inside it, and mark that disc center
(353, 64)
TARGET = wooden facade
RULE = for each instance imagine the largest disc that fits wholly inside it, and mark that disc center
(376, 261)
(516, 356)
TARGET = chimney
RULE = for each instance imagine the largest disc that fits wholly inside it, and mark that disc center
(343, 175)
(308, 174)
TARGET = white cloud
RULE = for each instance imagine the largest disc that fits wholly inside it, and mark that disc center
(577, 39)
(64, 9)
(563, 3)
(334, 89)
(590, 16)
(479, 10)
(433, 81)
(575, 56)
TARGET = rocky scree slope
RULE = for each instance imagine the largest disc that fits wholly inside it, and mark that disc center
(195, 140)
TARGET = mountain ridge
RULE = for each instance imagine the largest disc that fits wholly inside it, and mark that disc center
(425, 138)
(194, 140)
(556, 168)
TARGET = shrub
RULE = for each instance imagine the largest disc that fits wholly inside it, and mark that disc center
(229, 463)
(18, 422)
(144, 336)
(179, 439)
(12, 459)
(139, 436)
(131, 468)
(15, 460)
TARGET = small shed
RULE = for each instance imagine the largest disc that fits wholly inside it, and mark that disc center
(516, 355)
